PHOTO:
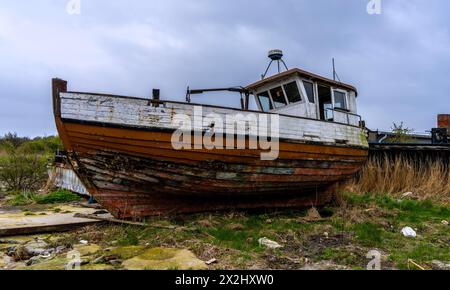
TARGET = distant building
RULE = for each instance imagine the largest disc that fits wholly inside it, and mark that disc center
(436, 136)
(444, 122)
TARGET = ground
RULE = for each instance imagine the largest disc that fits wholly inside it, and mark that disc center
(340, 238)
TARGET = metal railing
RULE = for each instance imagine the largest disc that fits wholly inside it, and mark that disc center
(347, 116)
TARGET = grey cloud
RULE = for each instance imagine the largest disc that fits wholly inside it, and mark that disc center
(399, 60)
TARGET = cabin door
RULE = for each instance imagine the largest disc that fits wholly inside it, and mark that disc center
(325, 103)
(309, 91)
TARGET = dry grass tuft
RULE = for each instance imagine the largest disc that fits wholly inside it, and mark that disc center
(426, 179)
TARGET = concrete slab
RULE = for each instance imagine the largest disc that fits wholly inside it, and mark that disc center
(18, 223)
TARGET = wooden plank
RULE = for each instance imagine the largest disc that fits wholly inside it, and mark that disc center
(41, 224)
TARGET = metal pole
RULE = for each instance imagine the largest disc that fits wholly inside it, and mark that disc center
(334, 70)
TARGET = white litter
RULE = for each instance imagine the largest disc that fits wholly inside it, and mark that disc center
(445, 223)
(407, 194)
(409, 232)
(269, 243)
(83, 242)
(210, 262)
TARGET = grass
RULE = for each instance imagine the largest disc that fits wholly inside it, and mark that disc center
(408, 211)
(22, 198)
(58, 196)
(382, 229)
(360, 224)
(369, 233)
(427, 180)
(26, 198)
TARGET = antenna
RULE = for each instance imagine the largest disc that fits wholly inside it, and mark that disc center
(334, 70)
(275, 55)
(335, 75)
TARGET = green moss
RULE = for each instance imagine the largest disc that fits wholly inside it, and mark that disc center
(97, 267)
(163, 259)
(126, 252)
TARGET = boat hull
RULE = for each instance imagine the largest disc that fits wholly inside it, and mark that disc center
(132, 169)
(134, 176)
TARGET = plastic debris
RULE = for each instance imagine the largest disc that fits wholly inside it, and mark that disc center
(83, 242)
(407, 194)
(409, 232)
(210, 262)
(269, 243)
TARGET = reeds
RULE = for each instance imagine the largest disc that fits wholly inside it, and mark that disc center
(427, 179)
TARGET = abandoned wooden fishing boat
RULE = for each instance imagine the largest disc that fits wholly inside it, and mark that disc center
(145, 156)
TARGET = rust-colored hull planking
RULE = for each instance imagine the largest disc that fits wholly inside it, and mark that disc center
(134, 172)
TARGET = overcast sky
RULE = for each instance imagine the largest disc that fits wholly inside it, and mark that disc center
(399, 60)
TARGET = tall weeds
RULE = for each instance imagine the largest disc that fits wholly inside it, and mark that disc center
(395, 176)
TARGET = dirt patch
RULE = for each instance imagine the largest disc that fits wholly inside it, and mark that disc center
(316, 244)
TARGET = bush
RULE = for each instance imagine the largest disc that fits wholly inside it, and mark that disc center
(13, 139)
(21, 171)
(23, 162)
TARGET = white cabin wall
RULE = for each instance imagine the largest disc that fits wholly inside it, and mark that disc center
(352, 102)
(298, 109)
(141, 113)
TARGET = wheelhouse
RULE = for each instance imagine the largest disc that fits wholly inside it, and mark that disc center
(303, 94)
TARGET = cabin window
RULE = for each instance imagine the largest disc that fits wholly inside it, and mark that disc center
(309, 88)
(264, 101)
(278, 97)
(340, 100)
(292, 92)
(325, 103)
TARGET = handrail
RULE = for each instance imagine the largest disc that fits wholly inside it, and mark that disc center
(346, 113)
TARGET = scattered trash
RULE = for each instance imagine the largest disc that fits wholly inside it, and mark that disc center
(269, 243)
(445, 223)
(83, 242)
(407, 194)
(210, 262)
(412, 262)
(326, 235)
(409, 232)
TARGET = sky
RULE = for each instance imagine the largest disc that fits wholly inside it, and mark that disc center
(399, 59)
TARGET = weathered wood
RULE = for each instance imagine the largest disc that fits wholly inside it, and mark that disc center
(106, 219)
(121, 148)
(124, 222)
(41, 225)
